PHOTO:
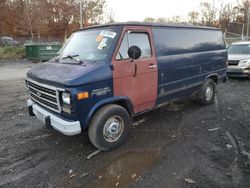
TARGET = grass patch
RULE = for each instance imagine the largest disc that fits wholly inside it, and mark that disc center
(11, 52)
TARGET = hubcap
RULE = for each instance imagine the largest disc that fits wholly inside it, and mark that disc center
(209, 93)
(113, 128)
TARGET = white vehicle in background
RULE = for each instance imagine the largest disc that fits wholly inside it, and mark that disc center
(9, 41)
(239, 59)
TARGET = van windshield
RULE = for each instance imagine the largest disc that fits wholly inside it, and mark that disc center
(89, 45)
(239, 49)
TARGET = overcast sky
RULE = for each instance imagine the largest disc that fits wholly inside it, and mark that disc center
(137, 10)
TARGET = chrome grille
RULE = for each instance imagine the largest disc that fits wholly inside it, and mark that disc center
(44, 95)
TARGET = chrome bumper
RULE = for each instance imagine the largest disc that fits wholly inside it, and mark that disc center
(69, 128)
(238, 69)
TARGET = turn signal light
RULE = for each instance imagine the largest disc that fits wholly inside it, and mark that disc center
(83, 95)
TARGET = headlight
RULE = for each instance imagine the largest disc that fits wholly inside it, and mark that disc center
(66, 98)
(244, 63)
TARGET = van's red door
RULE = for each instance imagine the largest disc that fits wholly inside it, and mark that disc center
(138, 79)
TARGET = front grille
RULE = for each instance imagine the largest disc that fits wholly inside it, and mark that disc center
(233, 62)
(44, 95)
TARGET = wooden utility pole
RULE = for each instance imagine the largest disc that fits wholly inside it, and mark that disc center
(81, 14)
(248, 19)
(213, 9)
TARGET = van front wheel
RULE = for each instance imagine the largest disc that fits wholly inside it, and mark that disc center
(109, 127)
(207, 94)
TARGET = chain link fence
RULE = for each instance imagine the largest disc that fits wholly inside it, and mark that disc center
(235, 32)
(230, 40)
(25, 40)
(20, 41)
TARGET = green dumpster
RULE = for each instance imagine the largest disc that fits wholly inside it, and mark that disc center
(42, 51)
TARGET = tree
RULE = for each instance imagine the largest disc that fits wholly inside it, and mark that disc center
(162, 20)
(93, 11)
(208, 14)
(46, 18)
(110, 16)
(176, 19)
(193, 17)
(6, 18)
(148, 19)
(244, 14)
(227, 15)
(173, 20)
(61, 14)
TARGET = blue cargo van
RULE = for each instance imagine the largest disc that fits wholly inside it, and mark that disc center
(105, 75)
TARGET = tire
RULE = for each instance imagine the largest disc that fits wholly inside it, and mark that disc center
(109, 127)
(207, 94)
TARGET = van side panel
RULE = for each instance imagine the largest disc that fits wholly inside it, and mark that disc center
(185, 58)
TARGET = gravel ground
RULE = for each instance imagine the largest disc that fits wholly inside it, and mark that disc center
(182, 145)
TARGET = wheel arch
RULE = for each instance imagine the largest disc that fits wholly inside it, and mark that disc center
(122, 101)
(214, 77)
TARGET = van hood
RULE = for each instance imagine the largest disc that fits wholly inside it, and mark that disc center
(62, 74)
(236, 57)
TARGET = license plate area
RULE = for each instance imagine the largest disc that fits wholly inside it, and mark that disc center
(39, 115)
(234, 69)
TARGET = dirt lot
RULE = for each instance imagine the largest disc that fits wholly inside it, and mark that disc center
(183, 145)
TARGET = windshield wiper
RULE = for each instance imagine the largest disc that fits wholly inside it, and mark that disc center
(73, 57)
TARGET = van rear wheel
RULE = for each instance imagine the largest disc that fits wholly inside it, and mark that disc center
(109, 127)
(207, 94)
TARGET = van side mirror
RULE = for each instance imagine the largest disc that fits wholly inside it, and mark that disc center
(134, 52)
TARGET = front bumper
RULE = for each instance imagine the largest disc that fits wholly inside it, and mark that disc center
(69, 128)
(235, 71)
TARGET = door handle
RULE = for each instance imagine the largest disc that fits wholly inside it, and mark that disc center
(135, 70)
(152, 66)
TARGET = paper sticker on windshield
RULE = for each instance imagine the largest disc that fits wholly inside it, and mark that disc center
(102, 44)
(99, 38)
(109, 34)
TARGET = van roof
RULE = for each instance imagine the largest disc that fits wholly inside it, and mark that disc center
(151, 24)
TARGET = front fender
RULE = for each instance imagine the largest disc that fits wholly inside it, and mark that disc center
(114, 100)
